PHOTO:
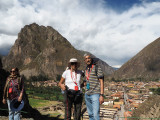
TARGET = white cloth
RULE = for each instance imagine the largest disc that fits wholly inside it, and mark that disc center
(69, 81)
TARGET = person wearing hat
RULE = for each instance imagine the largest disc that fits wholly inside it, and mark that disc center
(70, 84)
(13, 92)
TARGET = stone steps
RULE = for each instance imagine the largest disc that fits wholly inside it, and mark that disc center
(105, 114)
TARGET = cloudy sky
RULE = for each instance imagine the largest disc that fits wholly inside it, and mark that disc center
(113, 30)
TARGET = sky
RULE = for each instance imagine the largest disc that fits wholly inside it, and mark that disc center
(112, 30)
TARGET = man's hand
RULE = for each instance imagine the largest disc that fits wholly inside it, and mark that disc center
(101, 99)
(83, 84)
(4, 101)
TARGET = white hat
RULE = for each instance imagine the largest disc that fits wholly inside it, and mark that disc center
(73, 60)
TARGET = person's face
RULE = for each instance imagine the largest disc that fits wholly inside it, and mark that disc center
(88, 60)
(74, 65)
(13, 71)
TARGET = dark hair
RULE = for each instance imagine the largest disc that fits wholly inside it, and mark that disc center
(17, 70)
(78, 65)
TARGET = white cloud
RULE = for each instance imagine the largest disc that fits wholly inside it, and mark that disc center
(7, 39)
(5, 4)
(88, 25)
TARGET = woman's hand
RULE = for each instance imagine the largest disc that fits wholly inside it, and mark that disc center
(61, 84)
(19, 99)
(63, 87)
(4, 101)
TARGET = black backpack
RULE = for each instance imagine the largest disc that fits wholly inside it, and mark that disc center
(95, 62)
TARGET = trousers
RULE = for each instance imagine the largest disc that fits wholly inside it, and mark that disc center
(93, 106)
(71, 98)
(13, 115)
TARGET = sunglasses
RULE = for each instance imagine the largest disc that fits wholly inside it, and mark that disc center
(12, 71)
(73, 63)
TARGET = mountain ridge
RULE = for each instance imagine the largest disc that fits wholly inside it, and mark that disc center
(145, 64)
(43, 50)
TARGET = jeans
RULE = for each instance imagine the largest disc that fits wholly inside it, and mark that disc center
(13, 115)
(93, 106)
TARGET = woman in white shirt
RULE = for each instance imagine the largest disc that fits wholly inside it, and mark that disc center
(70, 84)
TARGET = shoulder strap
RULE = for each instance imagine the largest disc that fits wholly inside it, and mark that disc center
(96, 69)
(7, 82)
(19, 82)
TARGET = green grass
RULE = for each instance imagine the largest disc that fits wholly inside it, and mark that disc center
(44, 94)
(50, 97)
(36, 103)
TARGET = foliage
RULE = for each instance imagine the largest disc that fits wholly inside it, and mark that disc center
(38, 78)
(58, 77)
(140, 79)
(46, 93)
(156, 91)
(42, 92)
(116, 100)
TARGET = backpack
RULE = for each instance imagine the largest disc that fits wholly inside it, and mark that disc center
(95, 61)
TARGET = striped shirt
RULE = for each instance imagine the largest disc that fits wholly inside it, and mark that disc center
(93, 79)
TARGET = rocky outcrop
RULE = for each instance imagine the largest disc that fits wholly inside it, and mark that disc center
(42, 50)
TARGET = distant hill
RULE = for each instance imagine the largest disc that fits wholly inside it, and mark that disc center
(115, 68)
(146, 64)
(42, 50)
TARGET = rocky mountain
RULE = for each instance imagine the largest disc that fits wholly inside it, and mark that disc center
(150, 109)
(146, 64)
(42, 50)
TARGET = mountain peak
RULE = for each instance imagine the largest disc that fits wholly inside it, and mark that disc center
(42, 50)
(143, 65)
